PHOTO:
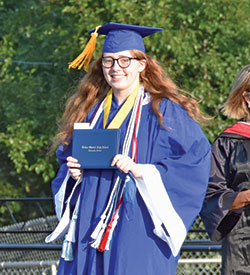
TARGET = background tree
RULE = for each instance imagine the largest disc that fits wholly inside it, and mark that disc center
(203, 46)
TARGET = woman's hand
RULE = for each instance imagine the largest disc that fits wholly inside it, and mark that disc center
(126, 164)
(74, 168)
(242, 200)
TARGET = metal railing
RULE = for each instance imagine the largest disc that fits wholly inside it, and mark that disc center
(188, 246)
(34, 200)
(23, 250)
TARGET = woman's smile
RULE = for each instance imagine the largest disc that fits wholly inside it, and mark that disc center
(122, 80)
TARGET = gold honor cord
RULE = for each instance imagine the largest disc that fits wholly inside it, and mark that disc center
(122, 113)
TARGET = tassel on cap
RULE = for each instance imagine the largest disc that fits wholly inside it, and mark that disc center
(84, 58)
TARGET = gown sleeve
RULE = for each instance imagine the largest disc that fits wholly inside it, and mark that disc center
(63, 183)
(174, 185)
(216, 214)
(65, 193)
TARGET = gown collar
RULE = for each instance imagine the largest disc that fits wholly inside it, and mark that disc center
(240, 128)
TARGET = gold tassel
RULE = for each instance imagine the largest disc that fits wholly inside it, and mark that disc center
(84, 58)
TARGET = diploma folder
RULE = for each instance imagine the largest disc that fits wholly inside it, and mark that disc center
(95, 148)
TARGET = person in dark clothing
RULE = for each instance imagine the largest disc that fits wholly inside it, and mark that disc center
(226, 209)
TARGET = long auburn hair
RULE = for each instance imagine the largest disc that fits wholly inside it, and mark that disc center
(93, 88)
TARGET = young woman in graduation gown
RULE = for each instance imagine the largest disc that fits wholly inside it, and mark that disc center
(120, 224)
(226, 210)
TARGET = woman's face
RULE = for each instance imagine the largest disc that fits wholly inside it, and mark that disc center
(246, 96)
(119, 78)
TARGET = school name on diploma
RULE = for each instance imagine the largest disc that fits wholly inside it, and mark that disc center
(95, 148)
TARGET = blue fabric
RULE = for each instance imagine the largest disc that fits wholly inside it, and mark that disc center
(181, 153)
(123, 37)
(123, 40)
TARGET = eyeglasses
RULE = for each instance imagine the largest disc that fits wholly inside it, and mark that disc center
(123, 61)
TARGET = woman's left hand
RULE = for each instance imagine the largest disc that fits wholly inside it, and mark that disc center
(126, 164)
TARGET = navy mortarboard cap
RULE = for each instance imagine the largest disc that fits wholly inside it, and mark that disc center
(120, 37)
(123, 37)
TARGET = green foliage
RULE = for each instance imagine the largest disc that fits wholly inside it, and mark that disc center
(203, 45)
(209, 46)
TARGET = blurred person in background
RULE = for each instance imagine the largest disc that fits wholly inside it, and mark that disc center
(226, 209)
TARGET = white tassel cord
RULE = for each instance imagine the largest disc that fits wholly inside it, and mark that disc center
(67, 249)
(98, 228)
(115, 221)
(97, 115)
(103, 216)
(112, 230)
(129, 133)
(101, 226)
(96, 242)
(64, 223)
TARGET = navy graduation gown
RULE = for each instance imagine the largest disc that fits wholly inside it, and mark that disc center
(180, 155)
